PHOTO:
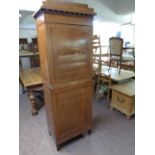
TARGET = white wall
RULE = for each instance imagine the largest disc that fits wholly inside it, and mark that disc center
(105, 30)
(27, 31)
(128, 34)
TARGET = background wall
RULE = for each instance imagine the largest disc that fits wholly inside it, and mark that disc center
(111, 14)
(27, 33)
(27, 29)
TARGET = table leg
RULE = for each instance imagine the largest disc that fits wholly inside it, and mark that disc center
(20, 65)
(33, 103)
(23, 88)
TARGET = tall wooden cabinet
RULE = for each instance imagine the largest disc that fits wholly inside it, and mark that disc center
(65, 44)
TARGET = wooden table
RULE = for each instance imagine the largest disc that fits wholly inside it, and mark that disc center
(130, 48)
(31, 81)
(115, 76)
(26, 53)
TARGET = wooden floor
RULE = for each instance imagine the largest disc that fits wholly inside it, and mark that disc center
(112, 133)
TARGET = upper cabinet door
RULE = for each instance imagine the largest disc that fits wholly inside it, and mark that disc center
(70, 52)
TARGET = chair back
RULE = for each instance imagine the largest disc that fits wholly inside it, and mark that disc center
(96, 43)
(35, 61)
(34, 41)
(34, 45)
(116, 46)
(23, 42)
(97, 51)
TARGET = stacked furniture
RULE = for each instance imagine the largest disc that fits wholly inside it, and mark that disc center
(116, 52)
(34, 48)
(106, 82)
(64, 37)
(29, 50)
(130, 65)
(99, 59)
(23, 43)
(116, 56)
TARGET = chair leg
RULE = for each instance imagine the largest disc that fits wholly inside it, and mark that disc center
(20, 65)
(109, 65)
(120, 67)
(117, 64)
(119, 70)
(108, 98)
(134, 65)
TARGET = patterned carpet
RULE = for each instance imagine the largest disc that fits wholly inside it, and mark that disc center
(112, 133)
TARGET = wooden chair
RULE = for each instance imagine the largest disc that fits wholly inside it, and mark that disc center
(130, 51)
(97, 52)
(116, 52)
(102, 86)
(23, 42)
(99, 58)
(34, 60)
(34, 45)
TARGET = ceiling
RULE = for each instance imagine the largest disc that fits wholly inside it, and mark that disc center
(118, 11)
(120, 6)
(26, 17)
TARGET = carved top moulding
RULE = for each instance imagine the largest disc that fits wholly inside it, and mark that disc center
(64, 8)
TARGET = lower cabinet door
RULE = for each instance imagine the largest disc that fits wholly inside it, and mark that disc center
(71, 111)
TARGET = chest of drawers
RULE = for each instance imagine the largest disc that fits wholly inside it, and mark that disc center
(123, 98)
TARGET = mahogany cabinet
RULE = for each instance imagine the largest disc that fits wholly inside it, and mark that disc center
(64, 32)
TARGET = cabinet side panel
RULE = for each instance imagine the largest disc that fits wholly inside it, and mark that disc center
(49, 110)
(41, 33)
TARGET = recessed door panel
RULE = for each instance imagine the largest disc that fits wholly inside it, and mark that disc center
(73, 109)
(71, 53)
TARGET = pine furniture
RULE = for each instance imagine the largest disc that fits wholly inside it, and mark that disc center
(123, 97)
